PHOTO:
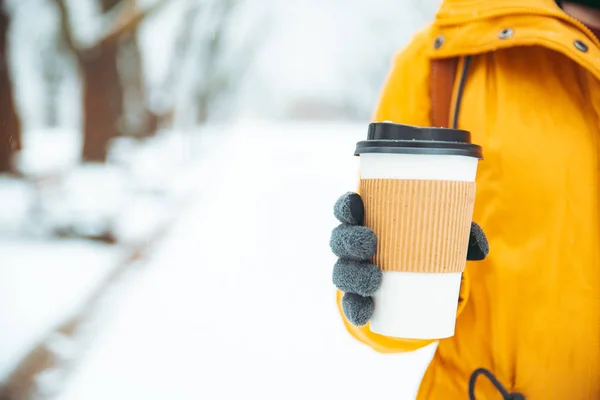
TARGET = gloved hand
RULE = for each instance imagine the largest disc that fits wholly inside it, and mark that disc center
(355, 245)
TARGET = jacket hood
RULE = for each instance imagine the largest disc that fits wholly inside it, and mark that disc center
(457, 11)
(479, 26)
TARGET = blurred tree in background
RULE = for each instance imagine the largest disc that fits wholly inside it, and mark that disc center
(97, 44)
(109, 69)
(103, 87)
(215, 49)
(10, 126)
(102, 103)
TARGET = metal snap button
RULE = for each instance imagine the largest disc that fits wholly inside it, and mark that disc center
(506, 33)
(439, 41)
(579, 45)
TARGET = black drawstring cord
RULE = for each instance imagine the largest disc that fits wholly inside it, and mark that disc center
(461, 89)
(495, 382)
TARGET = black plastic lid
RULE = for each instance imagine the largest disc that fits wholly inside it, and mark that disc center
(387, 137)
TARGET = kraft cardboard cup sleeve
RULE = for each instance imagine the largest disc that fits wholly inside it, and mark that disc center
(418, 187)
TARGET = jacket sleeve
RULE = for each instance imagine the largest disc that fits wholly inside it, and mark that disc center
(404, 99)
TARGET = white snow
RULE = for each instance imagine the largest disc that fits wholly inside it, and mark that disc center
(130, 195)
(44, 280)
(48, 151)
(238, 301)
(41, 284)
(16, 199)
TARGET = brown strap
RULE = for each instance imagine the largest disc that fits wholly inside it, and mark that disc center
(441, 86)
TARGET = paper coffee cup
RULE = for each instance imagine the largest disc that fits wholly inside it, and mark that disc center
(418, 187)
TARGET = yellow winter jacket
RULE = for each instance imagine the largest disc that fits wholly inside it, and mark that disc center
(530, 312)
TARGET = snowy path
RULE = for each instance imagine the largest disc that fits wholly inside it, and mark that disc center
(238, 303)
(39, 293)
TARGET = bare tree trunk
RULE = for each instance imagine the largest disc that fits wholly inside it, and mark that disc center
(102, 88)
(102, 100)
(202, 108)
(108, 5)
(10, 125)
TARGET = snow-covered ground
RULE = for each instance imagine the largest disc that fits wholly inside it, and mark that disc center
(45, 280)
(128, 196)
(41, 284)
(238, 301)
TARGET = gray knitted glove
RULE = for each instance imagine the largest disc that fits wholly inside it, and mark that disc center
(355, 245)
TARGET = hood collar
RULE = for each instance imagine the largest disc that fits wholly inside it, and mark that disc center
(459, 11)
